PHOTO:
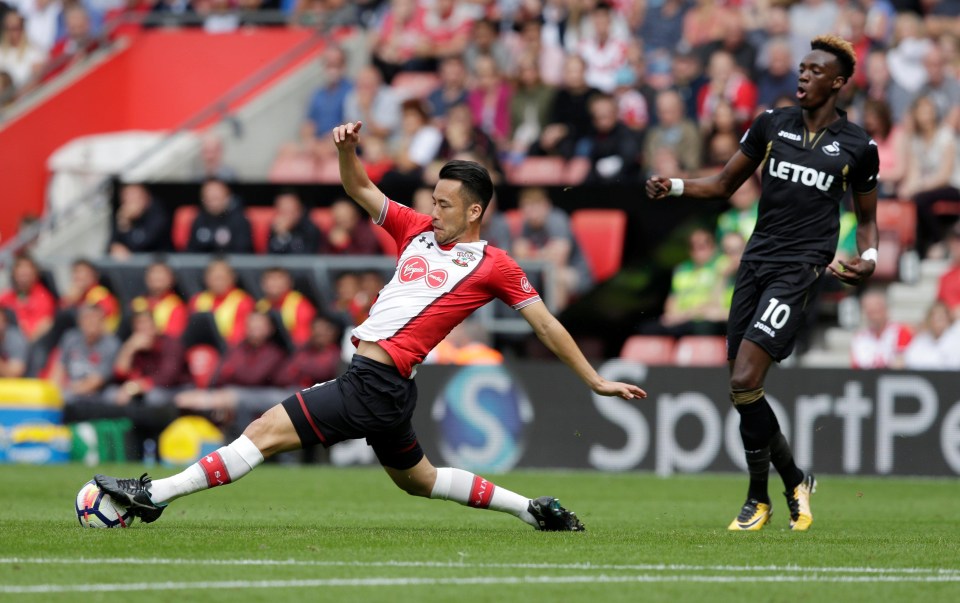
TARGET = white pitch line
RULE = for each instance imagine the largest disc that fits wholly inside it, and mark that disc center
(479, 580)
(658, 567)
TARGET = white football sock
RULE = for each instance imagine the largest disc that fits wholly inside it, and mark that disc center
(228, 464)
(474, 491)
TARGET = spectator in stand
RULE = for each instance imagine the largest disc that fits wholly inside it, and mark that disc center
(494, 227)
(937, 346)
(461, 137)
(229, 304)
(686, 71)
(881, 87)
(602, 53)
(350, 233)
(733, 40)
(139, 224)
(317, 360)
(13, 349)
(693, 306)
(218, 16)
(19, 57)
(79, 39)
(84, 366)
(326, 105)
(485, 40)
(529, 106)
(779, 77)
(948, 290)
(41, 18)
(727, 82)
(674, 131)
(167, 308)
(942, 87)
(415, 147)
(150, 366)
(932, 173)
(632, 107)
(32, 304)
(703, 23)
(447, 24)
(721, 146)
(545, 235)
(246, 383)
(879, 343)
(294, 310)
(85, 289)
(292, 231)
(809, 19)
(467, 344)
(580, 24)
(373, 103)
(854, 30)
(346, 307)
(614, 148)
(452, 90)
(548, 58)
(401, 42)
(489, 101)
(732, 245)
(662, 25)
(376, 158)
(889, 138)
(220, 227)
(905, 56)
(331, 17)
(569, 115)
(211, 163)
(741, 218)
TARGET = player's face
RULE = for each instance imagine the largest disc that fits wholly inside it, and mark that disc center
(819, 79)
(452, 213)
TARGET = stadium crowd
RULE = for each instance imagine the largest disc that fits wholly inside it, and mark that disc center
(613, 91)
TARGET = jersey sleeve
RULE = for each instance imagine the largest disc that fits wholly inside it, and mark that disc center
(510, 284)
(754, 141)
(864, 176)
(401, 222)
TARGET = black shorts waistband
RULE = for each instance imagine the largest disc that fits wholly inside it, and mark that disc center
(384, 370)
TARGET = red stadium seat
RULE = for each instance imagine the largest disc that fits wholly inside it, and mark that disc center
(654, 350)
(322, 218)
(294, 167)
(183, 218)
(328, 172)
(202, 362)
(577, 170)
(539, 171)
(600, 234)
(701, 350)
(899, 217)
(260, 220)
(387, 243)
(415, 84)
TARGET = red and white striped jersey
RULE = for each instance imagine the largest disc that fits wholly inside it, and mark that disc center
(435, 288)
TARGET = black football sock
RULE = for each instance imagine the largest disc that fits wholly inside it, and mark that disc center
(782, 458)
(755, 432)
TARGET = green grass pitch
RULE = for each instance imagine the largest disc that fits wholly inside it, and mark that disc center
(290, 533)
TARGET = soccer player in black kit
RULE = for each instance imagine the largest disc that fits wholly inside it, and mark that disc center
(809, 157)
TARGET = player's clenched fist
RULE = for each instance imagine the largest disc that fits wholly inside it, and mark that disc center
(658, 187)
(347, 136)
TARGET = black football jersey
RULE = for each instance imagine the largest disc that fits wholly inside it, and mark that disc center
(805, 176)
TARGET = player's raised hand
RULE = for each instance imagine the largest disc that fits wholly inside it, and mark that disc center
(626, 391)
(853, 272)
(347, 136)
(658, 187)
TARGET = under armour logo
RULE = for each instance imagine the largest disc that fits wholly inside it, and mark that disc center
(423, 239)
(429, 245)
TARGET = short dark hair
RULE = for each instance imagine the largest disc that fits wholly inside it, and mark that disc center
(84, 262)
(474, 178)
(840, 48)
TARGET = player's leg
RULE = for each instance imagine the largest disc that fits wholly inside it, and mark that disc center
(421, 478)
(268, 435)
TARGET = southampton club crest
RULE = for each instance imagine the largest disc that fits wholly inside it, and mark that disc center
(464, 258)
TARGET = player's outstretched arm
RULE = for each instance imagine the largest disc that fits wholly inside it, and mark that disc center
(353, 176)
(559, 341)
(718, 186)
(868, 238)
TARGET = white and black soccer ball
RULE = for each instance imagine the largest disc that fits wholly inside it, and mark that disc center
(95, 509)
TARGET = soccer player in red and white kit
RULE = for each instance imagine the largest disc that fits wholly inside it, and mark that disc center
(444, 273)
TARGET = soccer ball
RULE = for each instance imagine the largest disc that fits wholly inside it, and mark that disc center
(95, 509)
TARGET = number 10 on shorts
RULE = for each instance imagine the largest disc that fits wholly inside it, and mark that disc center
(776, 314)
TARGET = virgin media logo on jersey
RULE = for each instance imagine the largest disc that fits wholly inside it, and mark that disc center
(413, 269)
(436, 278)
(798, 173)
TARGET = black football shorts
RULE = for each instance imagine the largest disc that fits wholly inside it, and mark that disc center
(770, 305)
(371, 400)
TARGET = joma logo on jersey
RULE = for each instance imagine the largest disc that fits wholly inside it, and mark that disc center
(798, 173)
(788, 135)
